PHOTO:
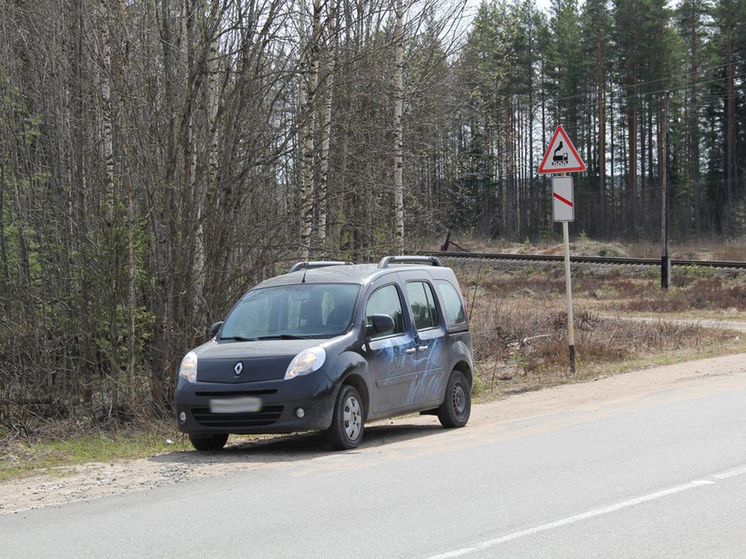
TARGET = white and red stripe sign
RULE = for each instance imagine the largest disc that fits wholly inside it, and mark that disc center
(563, 201)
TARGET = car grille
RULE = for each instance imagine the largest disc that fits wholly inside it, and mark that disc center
(236, 393)
(267, 416)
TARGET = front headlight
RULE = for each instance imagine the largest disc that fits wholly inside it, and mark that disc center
(188, 367)
(307, 361)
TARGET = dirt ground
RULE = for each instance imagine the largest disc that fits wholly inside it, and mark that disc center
(397, 439)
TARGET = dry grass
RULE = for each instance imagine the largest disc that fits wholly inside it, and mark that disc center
(616, 289)
(711, 249)
(519, 323)
(710, 294)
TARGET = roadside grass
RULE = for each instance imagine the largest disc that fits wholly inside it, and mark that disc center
(520, 383)
(53, 454)
(519, 323)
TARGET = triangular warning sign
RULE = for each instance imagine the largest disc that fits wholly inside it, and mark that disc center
(561, 156)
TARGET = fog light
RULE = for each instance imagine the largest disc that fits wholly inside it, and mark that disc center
(300, 412)
(182, 417)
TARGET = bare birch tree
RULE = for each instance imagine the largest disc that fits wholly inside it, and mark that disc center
(399, 128)
(309, 126)
(326, 123)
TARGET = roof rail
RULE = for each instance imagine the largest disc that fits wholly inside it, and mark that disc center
(386, 260)
(310, 265)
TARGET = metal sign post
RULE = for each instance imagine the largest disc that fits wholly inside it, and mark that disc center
(564, 211)
(568, 288)
(562, 157)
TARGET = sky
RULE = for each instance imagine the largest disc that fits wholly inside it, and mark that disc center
(473, 5)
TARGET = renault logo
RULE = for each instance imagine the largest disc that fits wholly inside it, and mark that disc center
(238, 368)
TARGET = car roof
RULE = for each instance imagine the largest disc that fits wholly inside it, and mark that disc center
(356, 273)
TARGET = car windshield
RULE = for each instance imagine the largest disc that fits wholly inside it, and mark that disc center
(292, 311)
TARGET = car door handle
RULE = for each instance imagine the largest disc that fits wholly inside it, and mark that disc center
(424, 347)
(411, 350)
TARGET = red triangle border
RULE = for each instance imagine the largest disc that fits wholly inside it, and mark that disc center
(543, 171)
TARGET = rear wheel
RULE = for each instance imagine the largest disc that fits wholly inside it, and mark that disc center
(208, 442)
(347, 427)
(456, 407)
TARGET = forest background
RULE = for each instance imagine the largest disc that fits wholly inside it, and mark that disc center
(160, 157)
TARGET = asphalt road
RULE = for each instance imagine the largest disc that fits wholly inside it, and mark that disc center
(659, 474)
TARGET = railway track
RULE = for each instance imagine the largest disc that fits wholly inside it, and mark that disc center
(528, 258)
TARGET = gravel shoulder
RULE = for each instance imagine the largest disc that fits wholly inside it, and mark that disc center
(397, 439)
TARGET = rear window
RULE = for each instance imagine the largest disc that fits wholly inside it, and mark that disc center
(453, 308)
(422, 304)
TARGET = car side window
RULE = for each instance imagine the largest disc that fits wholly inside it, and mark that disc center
(453, 308)
(422, 303)
(386, 301)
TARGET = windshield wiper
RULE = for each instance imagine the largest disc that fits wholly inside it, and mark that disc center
(283, 337)
(238, 339)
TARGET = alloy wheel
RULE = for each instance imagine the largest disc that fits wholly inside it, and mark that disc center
(352, 416)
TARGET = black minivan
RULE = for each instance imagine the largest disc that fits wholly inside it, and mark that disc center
(330, 346)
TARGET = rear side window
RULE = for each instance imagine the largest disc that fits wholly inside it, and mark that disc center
(453, 308)
(386, 301)
(422, 303)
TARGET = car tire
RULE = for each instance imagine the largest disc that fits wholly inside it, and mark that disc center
(208, 443)
(348, 421)
(456, 406)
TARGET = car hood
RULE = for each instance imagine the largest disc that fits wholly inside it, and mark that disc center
(260, 360)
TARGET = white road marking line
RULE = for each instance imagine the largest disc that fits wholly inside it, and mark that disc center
(572, 519)
(736, 472)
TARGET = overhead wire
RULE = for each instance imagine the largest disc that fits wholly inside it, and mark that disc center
(648, 82)
(591, 97)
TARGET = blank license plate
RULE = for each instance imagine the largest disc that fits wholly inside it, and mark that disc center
(236, 405)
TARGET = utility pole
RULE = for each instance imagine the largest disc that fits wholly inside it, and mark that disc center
(665, 258)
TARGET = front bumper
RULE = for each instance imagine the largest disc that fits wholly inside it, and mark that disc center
(314, 393)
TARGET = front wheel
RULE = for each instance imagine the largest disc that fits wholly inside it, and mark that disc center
(208, 442)
(347, 427)
(456, 407)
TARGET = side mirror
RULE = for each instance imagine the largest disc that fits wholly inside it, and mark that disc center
(380, 323)
(214, 329)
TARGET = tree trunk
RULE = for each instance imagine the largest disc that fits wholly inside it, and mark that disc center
(80, 183)
(131, 300)
(399, 129)
(312, 51)
(601, 131)
(106, 113)
(211, 109)
(694, 122)
(643, 179)
(730, 126)
(7, 290)
(632, 154)
(613, 190)
(327, 123)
